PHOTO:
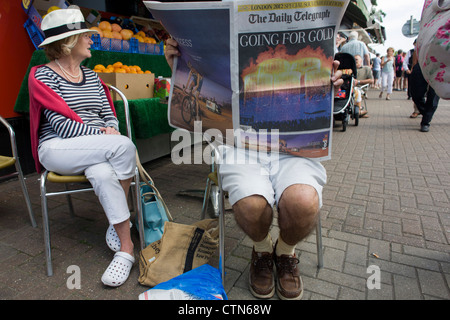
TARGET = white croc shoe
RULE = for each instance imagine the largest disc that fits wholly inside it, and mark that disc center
(118, 270)
(112, 239)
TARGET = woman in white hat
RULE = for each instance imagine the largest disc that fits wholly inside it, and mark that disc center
(74, 129)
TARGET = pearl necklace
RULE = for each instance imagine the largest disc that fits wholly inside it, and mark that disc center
(67, 74)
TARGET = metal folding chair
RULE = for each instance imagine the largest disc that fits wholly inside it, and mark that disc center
(13, 160)
(48, 176)
(364, 90)
(215, 194)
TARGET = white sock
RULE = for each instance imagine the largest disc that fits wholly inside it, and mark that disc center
(265, 245)
(284, 248)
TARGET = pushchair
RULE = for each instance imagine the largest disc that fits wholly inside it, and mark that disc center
(344, 104)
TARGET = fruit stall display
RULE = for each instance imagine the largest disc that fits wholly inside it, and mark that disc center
(119, 67)
(110, 36)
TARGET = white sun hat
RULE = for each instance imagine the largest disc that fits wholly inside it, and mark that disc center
(63, 23)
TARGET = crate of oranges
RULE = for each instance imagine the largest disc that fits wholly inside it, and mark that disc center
(134, 82)
(111, 37)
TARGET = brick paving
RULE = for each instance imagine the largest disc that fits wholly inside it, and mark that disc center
(386, 212)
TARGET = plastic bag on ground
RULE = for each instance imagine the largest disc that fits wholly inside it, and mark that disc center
(201, 283)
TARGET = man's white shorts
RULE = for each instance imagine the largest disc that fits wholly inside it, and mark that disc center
(245, 173)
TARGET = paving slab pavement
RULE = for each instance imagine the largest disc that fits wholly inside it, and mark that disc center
(385, 216)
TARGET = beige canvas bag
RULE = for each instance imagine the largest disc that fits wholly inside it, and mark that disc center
(181, 248)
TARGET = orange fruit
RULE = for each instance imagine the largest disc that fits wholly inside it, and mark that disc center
(98, 30)
(107, 34)
(116, 35)
(141, 34)
(149, 40)
(116, 27)
(127, 68)
(105, 25)
(139, 38)
(126, 34)
(119, 70)
(99, 67)
(147, 72)
(118, 64)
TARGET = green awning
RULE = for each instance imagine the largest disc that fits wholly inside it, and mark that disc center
(357, 12)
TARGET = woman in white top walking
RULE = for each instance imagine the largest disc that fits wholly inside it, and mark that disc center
(387, 73)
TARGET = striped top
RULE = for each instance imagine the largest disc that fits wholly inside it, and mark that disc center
(87, 99)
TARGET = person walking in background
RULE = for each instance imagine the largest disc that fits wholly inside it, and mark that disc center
(387, 73)
(429, 77)
(398, 70)
(407, 67)
(340, 40)
(408, 64)
(356, 47)
(433, 50)
(376, 70)
(363, 77)
(404, 77)
(424, 97)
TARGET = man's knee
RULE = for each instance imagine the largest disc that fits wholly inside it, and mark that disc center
(251, 209)
(299, 207)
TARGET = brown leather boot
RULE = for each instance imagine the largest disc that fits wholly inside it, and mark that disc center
(289, 282)
(261, 279)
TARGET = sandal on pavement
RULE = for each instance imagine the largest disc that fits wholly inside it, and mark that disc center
(112, 238)
(414, 115)
(118, 270)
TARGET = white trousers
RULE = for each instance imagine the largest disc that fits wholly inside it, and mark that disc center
(387, 80)
(104, 159)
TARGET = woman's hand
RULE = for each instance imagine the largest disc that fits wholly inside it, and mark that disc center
(171, 51)
(109, 130)
(336, 75)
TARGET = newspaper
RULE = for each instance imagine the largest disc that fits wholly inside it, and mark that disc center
(255, 73)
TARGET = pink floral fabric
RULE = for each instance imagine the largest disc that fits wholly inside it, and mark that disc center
(433, 45)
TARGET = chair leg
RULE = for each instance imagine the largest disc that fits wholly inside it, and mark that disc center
(319, 244)
(45, 225)
(133, 197)
(214, 196)
(138, 206)
(206, 198)
(25, 194)
(69, 202)
(221, 229)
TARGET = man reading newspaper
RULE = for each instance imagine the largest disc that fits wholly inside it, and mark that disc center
(295, 185)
